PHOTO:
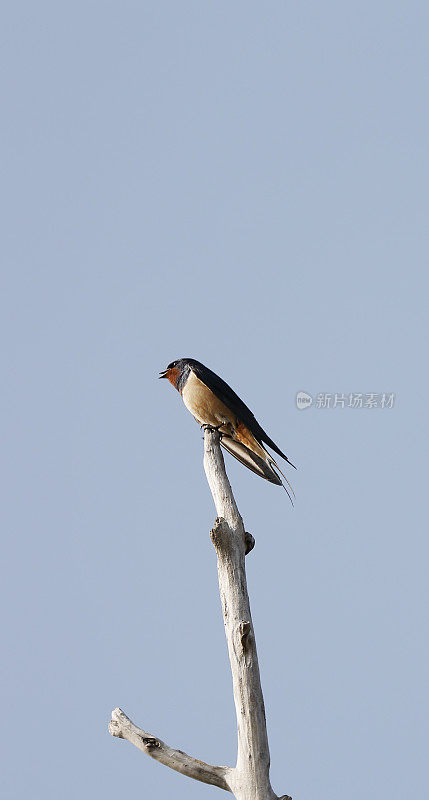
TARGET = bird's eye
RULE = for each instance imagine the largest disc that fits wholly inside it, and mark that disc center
(173, 364)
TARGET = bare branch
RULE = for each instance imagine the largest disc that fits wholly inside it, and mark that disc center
(122, 727)
(250, 778)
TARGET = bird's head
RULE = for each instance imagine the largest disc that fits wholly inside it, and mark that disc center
(176, 372)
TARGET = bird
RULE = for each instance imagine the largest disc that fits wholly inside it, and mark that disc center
(214, 404)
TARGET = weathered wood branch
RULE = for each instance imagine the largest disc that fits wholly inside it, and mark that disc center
(249, 779)
(121, 726)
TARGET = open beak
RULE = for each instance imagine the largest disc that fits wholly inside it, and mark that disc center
(163, 374)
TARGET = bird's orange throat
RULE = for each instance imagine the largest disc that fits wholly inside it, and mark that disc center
(173, 376)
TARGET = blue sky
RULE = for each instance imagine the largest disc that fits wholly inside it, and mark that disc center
(245, 184)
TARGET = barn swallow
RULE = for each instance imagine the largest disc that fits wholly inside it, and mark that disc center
(212, 402)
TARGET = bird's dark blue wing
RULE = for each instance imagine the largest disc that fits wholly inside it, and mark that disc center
(227, 395)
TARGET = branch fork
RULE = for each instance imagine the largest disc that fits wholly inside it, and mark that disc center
(249, 779)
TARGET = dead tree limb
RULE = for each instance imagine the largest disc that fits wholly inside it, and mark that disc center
(249, 779)
(122, 727)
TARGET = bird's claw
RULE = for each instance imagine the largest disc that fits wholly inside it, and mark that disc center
(207, 427)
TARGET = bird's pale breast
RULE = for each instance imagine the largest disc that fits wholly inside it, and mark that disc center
(204, 405)
(209, 410)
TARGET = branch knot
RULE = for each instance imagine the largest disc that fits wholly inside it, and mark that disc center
(249, 542)
(243, 631)
(150, 741)
(221, 534)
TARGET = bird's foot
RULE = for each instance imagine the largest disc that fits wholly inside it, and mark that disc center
(217, 428)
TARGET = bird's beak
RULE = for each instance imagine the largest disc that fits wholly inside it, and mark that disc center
(163, 374)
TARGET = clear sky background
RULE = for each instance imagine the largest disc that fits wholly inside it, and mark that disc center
(244, 183)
